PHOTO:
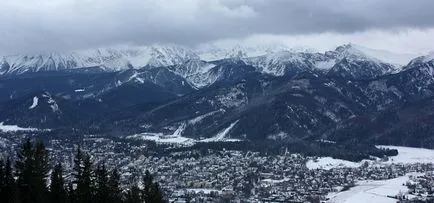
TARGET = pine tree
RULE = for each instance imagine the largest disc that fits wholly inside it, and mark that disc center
(102, 191)
(2, 178)
(152, 192)
(115, 192)
(24, 170)
(78, 177)
(133, 195)
(156, 196)
(10, 188)
(41, 168)
(78, 159)
(85, 182)
(147, 182)
(32, 169)
(57, 185)
(72, 197)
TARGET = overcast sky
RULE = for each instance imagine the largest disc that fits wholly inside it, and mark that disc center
(63, 25)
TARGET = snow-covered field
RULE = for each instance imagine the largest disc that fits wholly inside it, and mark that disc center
(406, 155)
(328, 163)
(372, 191)
(177, 138)
(15, 128)
(410, 155)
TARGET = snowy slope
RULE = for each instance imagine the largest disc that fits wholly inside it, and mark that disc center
(213, 53)
(108, 59)
(400, 59)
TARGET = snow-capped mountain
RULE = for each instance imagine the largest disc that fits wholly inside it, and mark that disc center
(214, 53)
(398, 59)
(256, 94)
(348, 60)
(196, 72)
(289, 62)
(352, 62)
(107, 59)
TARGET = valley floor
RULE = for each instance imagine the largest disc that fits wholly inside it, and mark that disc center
(373, 191)
(218, 175)
(406, 155)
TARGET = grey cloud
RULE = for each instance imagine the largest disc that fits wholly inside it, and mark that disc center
(44, 25)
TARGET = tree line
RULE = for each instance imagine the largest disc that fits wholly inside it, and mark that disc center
(32, 179)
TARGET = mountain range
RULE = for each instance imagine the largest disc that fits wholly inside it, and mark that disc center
(349, 95)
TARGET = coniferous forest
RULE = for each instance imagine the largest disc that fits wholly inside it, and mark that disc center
(33, 178)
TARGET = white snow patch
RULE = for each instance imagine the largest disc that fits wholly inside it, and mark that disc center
(328, 163)
(222, 134)
(325, 65)
(35, 102)
(273, 181)
(201, 117)
(53, 105)
(15, 128)
(136, 77)
(410, 155)
(160, 138)
(372, 191)
(406, 155)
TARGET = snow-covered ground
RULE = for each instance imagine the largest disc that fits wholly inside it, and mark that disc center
(177, 138)
(328, 163)
(161, 138)
(410, 155)
(372, 191)
(406, 155)
(221, 136)
(15, 128)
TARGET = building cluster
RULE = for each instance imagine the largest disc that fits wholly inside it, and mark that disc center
(238, 176)
(420, 189)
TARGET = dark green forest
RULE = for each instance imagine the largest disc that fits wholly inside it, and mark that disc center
(33, 178)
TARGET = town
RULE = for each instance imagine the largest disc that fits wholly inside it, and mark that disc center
(244, 176)
(240, 176)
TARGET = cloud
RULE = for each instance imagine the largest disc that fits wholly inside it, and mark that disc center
(45, 25)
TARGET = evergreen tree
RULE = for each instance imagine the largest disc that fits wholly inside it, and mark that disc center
(2, 178)
(57, 185)
(72, 197)
(147, 182)
(115, 192)
(156, 196)
(77, 175)
(32, 169)
(24, 172)
(102, 191)
(133, 195)
(10, 190)
(41, 168)
(85, 181)
(152, 192)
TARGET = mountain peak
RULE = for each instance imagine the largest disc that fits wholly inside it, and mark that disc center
(395, 58)
(109, 59)
(350, 50)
